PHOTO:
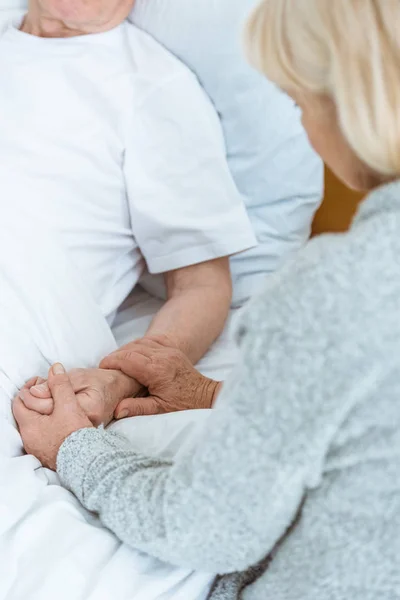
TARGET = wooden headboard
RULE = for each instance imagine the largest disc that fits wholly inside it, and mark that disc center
(338, 207)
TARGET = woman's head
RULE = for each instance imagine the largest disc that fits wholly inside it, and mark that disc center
(340, 61)
(82, 16)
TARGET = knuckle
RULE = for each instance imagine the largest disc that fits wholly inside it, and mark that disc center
(61, 381)
(155, 367)
(172, 358)
(109, 378)
(155, 408)
(75, 372)
(123, 356)
(139, 410)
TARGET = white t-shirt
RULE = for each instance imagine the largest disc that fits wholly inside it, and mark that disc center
(109, 141)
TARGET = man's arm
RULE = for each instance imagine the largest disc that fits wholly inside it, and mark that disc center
(187, 215)
(198, 302)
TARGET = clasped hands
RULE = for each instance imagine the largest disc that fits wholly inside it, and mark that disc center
(144, 377)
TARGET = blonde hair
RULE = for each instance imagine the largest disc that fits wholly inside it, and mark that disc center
(348, 50)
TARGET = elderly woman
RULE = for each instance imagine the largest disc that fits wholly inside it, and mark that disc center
(293, 489)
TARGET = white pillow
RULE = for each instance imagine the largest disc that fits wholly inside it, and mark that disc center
(13, 4)
(272, 163)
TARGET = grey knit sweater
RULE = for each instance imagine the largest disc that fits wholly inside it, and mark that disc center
(298, 471)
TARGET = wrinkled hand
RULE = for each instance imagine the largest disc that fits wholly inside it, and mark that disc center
(42, 435)
(172, 381)
(98, 392)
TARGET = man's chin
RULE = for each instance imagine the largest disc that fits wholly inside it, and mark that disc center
(86, 18)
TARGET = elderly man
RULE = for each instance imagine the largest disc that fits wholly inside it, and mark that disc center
(111, 140)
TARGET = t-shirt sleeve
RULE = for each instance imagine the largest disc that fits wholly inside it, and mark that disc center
(184, 204)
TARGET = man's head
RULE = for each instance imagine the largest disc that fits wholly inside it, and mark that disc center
(58, 17)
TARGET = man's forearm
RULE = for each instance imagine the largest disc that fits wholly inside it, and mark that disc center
(192, 319)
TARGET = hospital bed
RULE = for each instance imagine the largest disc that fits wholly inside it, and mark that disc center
(50, 547)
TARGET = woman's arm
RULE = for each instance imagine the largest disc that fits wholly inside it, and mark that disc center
(224, 504)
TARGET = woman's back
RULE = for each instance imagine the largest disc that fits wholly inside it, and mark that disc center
(336, 436)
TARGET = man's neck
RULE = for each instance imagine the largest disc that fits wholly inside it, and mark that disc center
(44, 25)
(36, 23)
(47, 28)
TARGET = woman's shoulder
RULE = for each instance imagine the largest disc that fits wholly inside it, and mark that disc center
(379, 204)
(346, 275)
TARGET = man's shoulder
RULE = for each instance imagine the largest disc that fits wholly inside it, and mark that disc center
(151, 59)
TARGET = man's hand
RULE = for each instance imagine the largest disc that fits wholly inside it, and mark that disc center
(42, 435)
(173, 383)
(98, 392)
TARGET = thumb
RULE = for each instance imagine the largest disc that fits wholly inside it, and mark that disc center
(137, 407)
(61, 387)
(132, 363)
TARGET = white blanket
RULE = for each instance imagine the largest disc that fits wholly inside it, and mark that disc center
(50, 547)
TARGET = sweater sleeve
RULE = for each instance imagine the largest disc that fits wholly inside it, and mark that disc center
(223, 504)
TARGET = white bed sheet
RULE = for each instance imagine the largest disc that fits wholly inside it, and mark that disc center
(51, 547)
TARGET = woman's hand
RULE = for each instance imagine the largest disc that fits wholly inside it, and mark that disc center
(42, 435)
(98, 392)
(172, 381)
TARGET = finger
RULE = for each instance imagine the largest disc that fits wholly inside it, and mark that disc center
(132, 363)
(61, 387)
(33, 381)
(77, 376)
(21, 414)
(137, 407)
(41, 390)
(135, 347)
(125, 347)
(43, 406)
